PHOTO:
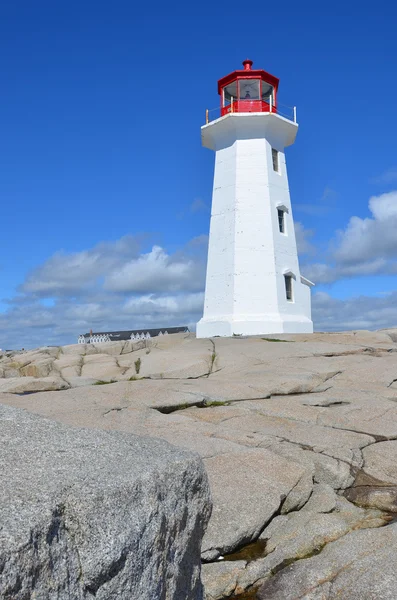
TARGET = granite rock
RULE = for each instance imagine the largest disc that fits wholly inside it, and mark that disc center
(359, 566)
(93, 514)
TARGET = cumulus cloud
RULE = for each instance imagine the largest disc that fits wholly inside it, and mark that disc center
(364, 312)
(328, 273)
(367, 246)
(113, 285)
(72, 273)
(173, 305)
(375, 236)
(156, 271)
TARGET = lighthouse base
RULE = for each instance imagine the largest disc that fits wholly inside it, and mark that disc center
(260, 325)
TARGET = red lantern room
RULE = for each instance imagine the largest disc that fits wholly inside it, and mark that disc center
(248, 90)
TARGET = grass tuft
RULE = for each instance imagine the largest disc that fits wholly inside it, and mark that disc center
(208, 403)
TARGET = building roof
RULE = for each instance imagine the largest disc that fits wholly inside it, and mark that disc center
(126, 335)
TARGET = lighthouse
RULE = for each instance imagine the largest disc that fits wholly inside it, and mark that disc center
(253, 282)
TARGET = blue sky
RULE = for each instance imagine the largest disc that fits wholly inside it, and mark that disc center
(105, 189)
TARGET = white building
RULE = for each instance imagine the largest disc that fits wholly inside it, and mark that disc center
(253, 283)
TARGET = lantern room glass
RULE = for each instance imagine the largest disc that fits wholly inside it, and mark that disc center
(248, 94)
(229, 93)
(267, 91)
(248, 89)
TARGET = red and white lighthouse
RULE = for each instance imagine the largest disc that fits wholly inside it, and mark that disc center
(253, 283)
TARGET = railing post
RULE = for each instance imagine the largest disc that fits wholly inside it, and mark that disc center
(294, 114)
(270, 103)
(231, 104)
(206, 116)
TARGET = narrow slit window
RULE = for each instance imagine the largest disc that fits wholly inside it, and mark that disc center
(281, 220)
(275, 160)
(288, 287)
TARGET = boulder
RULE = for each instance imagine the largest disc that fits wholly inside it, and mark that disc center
(40, 368)
(92, 514)
(100, 367)
(27, 385)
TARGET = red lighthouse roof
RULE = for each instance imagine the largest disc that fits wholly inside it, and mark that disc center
(248, 72)
(248, 90)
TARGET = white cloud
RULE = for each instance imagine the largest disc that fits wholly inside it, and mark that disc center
(367, 246)
(185, 303)
(65, 274)
(156, 271)
(369, 238)
(327, 273)
(364, 312)
(109, 286)
(384, 206)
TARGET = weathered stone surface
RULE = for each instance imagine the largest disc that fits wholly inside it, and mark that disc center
(26, 385)
(380, 461)
(376, 484)
(360, 566)
(220, 578)
(248, 488)
(89, 513)
(294, 537)
(299, 494)
(100, 366)
(39, 368)
(326, 517)
(322, 500)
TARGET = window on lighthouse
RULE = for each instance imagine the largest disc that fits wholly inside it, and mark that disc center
(288, 287)
(281, 220)
(275, 160)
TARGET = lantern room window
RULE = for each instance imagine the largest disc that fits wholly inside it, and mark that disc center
(267, 91)
(249, 89)
(229, 93)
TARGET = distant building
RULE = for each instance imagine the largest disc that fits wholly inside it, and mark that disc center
(133, 334)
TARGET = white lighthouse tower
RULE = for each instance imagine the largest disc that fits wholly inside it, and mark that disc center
(253, 283)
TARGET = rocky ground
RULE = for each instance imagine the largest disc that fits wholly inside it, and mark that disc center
(298, 435)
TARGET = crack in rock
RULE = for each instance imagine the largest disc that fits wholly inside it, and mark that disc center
(115, 409)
